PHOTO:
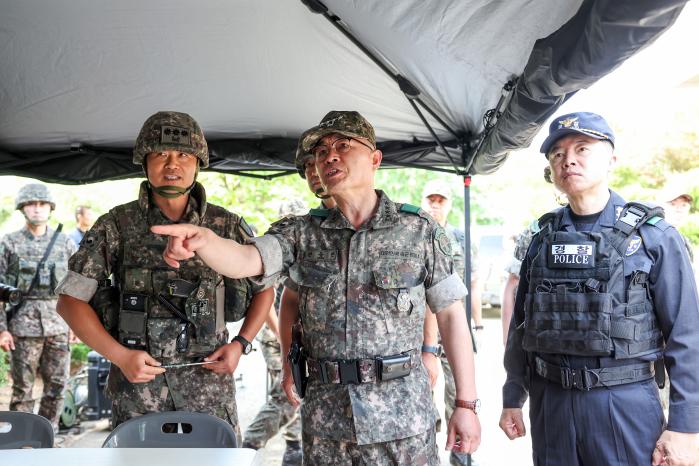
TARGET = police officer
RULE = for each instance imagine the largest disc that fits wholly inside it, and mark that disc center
(606, 289)
(160, 319)
(34, 259)
(366, 271)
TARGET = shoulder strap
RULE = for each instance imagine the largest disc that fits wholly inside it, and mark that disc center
(550, 221)
(634, 214)
(321, 213)
(409, 208)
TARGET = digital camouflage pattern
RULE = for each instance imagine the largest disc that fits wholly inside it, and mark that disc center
(51, 355)
(346, 123)
(20, 254)
(278, 413)
(418, 450)
(363, 294)
(522, 242)
(34, 192)
(121, 243)
(171, 131)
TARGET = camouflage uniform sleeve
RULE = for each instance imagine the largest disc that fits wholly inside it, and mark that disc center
(277, 248)
(443, 285)
(4, 260)
(242, 233)
(93, 261)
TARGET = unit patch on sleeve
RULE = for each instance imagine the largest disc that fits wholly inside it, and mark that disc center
(572, 256)
(634, 245)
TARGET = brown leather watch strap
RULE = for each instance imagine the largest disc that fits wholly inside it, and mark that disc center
(472, 405)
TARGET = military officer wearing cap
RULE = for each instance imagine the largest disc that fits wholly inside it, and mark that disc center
(151, 321)
(366, 271)
(606, 289)
(34, 259)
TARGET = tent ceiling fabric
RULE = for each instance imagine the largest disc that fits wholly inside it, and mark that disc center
(80, 76)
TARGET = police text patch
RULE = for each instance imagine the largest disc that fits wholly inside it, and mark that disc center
(572, 256)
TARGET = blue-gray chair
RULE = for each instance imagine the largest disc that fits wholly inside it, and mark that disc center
(24, 430)
(172, 429)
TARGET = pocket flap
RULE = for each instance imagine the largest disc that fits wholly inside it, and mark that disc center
(403, 275)
(312, 275)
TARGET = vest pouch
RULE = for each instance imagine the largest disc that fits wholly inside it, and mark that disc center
(132, 320)
(315, 281)
(237, 298)
(58, 271)
(25, 275)
(575, 323)
(200, 308)
(162, 337)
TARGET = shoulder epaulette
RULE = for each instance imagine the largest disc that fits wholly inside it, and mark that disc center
(409, 208)
(320, 213)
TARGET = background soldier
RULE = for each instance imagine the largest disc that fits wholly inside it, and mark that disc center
(37, 335)
(437, 201)
(278, 413)
(366, 272)
(606, 289)
(163, 317)
(84, 219)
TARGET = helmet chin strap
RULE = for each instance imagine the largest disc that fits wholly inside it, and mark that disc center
(320, 194)
(35, 223)
(171, 192)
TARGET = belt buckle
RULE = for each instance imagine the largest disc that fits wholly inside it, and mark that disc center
(349, 371)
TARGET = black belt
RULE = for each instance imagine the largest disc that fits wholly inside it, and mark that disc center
(586, 379)
(368, 370)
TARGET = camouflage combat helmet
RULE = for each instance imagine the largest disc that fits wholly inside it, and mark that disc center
(32, 193)
(346, 123)
(171, 131)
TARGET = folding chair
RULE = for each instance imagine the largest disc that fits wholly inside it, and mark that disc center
(172, 429)
(24, 430)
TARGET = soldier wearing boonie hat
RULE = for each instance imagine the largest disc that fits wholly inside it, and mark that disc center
(589, 368)
(366, 270)
(154, 322)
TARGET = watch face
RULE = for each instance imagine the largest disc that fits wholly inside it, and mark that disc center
(247, 346)
(477, 406)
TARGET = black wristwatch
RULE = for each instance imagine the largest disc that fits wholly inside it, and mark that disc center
(247, 346)
(436, 350)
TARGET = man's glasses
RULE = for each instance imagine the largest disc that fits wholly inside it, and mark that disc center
(340, 145)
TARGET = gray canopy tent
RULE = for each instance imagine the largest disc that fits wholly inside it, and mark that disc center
(450, 85)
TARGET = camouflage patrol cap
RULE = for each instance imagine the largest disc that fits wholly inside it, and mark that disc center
(171, 131)
(293, 207)
(347, 123)
(34, 192)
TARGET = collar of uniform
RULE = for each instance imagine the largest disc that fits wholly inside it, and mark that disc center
(386, 215)
(30, 236)
(194, 213)
(606, 219)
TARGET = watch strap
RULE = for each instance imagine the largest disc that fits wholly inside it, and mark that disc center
(247, 346)
(436, 350)
(472, 405)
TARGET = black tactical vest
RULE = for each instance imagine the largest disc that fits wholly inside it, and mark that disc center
(581, 301)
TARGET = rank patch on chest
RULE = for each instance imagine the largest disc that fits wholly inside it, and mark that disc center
(634, 245)
(572, 256)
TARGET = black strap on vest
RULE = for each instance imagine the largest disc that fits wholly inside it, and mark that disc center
(635, 214)
(586, 379)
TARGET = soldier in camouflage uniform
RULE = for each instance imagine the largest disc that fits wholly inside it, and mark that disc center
(37, 335)
(160, 316)
(277, 413)
(366, 272)
(437, 201)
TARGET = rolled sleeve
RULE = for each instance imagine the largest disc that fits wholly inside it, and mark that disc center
(272, 259)
(77, 286)
(446, 292)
